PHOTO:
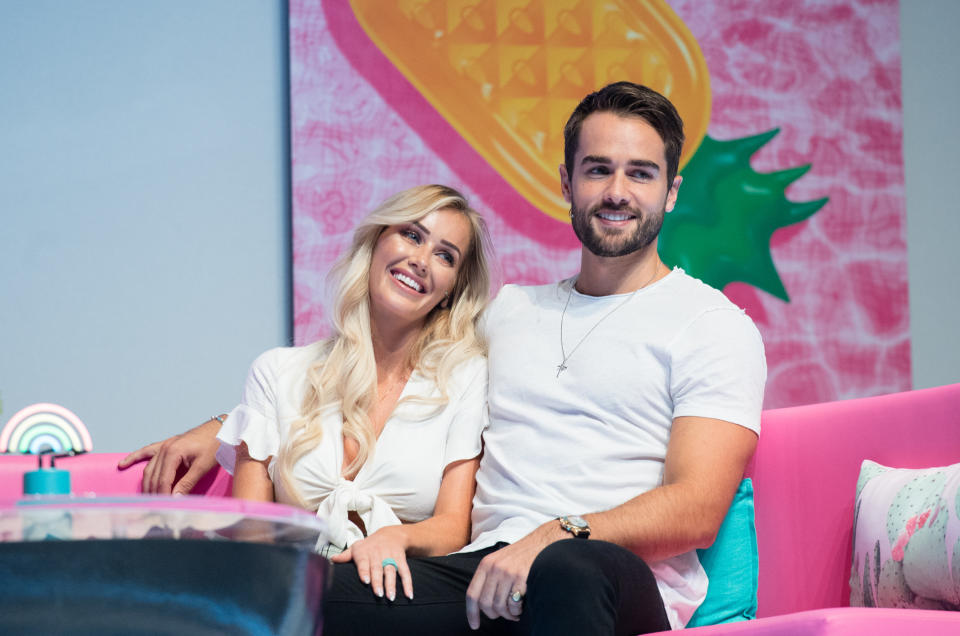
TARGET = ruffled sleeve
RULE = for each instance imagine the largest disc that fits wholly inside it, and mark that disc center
(254, 420)
(470, 418)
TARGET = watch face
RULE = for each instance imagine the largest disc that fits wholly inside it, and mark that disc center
(578, 521)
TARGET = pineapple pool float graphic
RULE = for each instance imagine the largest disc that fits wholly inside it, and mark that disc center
(506, 74)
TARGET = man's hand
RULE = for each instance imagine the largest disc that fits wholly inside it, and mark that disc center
(195, 450)
(504, 572)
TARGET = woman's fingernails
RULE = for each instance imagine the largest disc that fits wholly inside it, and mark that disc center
(366, 580)
(393, 596)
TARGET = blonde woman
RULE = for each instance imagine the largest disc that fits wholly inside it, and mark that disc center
(377, 428)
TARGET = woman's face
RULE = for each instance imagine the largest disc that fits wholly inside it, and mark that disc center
(415, 264)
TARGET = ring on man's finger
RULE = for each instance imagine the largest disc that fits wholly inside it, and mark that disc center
(389, 561)
(516, 597)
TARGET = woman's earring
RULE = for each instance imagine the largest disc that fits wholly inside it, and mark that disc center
(445, 303)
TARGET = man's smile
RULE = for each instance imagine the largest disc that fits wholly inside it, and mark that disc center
(615, 216)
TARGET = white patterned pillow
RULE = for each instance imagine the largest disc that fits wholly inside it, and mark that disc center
(906, 538)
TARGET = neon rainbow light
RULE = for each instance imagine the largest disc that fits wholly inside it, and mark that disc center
(43, 426)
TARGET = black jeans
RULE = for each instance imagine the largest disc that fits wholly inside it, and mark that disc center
(575, 586)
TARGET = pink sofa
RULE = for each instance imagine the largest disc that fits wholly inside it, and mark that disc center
(804, 475)
(97, 473)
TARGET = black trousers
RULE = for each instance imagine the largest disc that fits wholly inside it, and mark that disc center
(575, 586)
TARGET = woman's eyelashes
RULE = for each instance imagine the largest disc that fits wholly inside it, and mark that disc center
(412, 235)
(415, 237)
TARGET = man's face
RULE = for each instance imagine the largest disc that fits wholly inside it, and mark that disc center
(618, 190)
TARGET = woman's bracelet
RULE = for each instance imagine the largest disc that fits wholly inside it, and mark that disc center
(219, 418)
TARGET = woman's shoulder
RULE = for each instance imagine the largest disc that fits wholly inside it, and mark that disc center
(470, 368)
(283, 359)
(466, 376)
(458, 380)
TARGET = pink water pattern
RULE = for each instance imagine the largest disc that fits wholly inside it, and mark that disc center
(827, 73)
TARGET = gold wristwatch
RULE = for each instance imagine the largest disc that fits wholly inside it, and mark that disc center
(575, 525)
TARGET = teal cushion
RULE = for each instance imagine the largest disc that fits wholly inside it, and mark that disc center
(731, 565)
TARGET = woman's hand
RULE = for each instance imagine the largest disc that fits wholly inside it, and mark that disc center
(446, 531)
(196, 450)
(369, 554)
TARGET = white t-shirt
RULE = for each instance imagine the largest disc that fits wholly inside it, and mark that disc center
(596, 436)
(401, 479)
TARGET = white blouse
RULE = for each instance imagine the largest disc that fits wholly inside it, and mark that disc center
(400, 480)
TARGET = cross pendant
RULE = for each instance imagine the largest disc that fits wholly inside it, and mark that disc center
(560, 368)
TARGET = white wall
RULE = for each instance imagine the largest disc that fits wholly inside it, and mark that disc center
(931, 103)
(144, 204)
(143, 207)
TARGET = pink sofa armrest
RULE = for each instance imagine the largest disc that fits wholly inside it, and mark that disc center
(97, 473)
(844, 621)
(805, 473)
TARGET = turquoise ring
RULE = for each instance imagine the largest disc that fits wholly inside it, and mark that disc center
(387, 562)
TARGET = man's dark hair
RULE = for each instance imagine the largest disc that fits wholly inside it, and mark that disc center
(629, 100)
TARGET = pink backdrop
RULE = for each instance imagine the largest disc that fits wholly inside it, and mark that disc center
(825, 73)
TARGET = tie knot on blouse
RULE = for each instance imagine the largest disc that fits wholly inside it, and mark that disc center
(352, 497)
(348, 496)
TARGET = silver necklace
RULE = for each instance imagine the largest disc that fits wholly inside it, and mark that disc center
(563, 363)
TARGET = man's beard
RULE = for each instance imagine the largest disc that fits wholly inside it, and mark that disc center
(610, 243)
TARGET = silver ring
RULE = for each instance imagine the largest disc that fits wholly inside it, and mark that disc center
(516, 597)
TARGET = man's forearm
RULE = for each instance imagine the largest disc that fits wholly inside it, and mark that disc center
(703, 467)
(664, 522)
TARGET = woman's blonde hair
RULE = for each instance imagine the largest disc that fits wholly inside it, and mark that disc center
(345, 375)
